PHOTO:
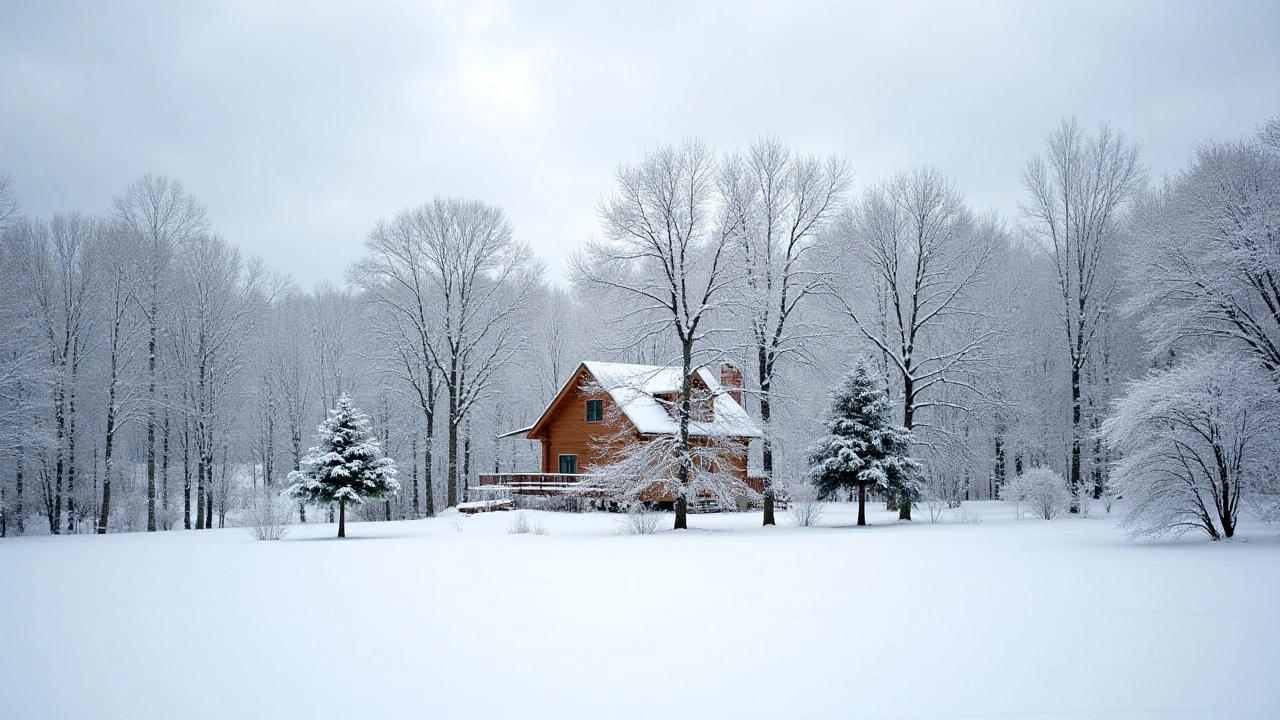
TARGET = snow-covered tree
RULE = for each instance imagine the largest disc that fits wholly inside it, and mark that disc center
(1207, 264)
(346, 466)
(1196, 440)
(646, 467)
(863, 446)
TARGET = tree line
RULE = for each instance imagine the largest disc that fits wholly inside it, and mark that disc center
(153, 378)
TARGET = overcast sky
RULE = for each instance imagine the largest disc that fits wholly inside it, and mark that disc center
(301, 124)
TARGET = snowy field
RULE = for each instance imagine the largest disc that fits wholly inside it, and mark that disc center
(455, 618)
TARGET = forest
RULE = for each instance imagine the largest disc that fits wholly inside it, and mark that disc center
(1121, 331)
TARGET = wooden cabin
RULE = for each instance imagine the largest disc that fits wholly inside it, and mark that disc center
(604, 401)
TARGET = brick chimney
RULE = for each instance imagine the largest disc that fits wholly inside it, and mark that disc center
(731, 380)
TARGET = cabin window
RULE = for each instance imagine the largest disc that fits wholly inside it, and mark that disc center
(568, 464)
(595, 410)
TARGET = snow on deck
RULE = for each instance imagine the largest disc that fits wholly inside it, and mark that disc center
(632, 388)
(454, 618)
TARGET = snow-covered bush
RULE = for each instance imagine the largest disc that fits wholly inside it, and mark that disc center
(1040, 490)
(268, 516)
(521, 525)
(640, 519)
(804, 506)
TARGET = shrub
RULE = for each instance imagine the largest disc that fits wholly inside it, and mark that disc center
(1040, 490)
(640, 519)
(269, 516)
(804, 506)
(520, 525)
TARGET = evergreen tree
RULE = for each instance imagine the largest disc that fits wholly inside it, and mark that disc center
(347, 466)
(863, 447)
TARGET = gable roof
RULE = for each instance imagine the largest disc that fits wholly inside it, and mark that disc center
(633, 389)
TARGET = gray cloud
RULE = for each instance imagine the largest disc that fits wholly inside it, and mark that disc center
(300, 124)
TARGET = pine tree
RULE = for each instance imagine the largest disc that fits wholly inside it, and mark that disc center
(863, 447)
(347, 466)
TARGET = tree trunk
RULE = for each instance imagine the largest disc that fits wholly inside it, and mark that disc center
(686, 389)
(295, 439)
(151, 411)
(342, 518)
(413, 449)
(766, 443)
(200, 493)
(466, 463)
(862, 503)
(208, 487)
(1074, 482)
(18, 508)
(428, 472)
(908, 421)
(451, 496)
(998, 474)
(71, 444)
(186, 475)
(60, 420)
(107, 464)
(164, 467)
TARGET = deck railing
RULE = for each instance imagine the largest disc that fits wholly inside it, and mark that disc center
(551, 484)
(537, 483)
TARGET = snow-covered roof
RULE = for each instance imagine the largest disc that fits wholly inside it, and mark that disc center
(516, 433)
(633, 387)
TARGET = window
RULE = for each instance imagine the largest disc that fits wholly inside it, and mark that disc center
(568, 464)
(595, 410)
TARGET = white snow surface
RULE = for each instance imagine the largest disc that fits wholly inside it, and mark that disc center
(453, 617)
(633, 388)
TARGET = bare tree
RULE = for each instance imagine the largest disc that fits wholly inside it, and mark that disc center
(398, 279)
(119, 262)
(332, 312)
(164, 216)
(60, 284)
(926, 256)
(224, 299)
(455, 283)
(558, 341)
(1076, 193)
(24, 372)
(663, 254)
(776, 204)
(9, 205)
(292, 375)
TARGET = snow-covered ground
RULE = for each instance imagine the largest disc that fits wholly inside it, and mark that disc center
(454, 618)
